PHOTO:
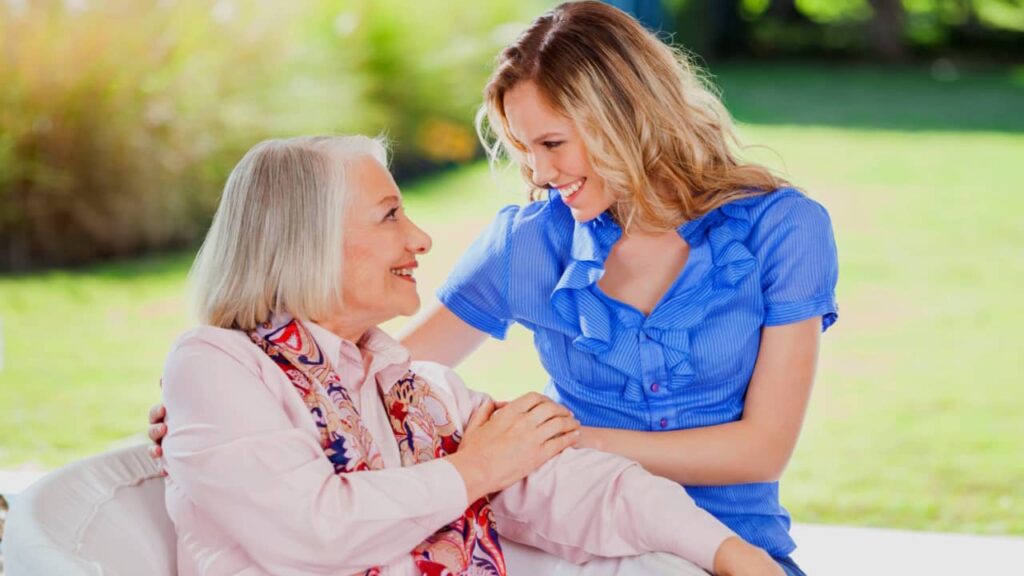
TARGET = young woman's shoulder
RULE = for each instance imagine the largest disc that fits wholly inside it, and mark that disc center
(786, 205)
(786, 213)
(542, 216)
(537, 229)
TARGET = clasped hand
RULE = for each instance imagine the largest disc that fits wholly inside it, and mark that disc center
(503, 442)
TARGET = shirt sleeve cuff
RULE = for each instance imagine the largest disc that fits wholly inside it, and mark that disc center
(706, 544)
(790, 312)
(472, 315)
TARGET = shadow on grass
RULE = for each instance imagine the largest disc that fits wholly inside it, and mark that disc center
(939, 98)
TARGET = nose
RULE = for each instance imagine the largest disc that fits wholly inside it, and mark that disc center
(418, 241)
(544, 172)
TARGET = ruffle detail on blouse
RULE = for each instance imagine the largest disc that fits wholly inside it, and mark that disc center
(572, 298)
(724, 229)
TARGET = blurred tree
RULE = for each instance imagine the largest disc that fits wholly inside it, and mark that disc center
(729, 29)
(785, 10)
(887, 29)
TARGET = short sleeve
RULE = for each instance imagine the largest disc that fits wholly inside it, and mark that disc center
(799, 265)
(477, 289)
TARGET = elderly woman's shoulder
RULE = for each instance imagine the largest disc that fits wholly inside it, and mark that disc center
(210, 344)
(437, 375)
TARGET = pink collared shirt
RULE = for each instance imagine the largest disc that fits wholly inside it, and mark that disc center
(250, 490)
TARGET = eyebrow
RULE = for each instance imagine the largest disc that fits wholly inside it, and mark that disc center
(546, 136)
(390, 200)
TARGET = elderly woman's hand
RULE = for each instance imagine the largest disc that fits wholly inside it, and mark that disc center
(502, 445)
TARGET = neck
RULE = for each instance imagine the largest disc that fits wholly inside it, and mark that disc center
(347, 328)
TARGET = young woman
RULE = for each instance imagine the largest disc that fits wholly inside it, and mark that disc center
(676, 294)
(303, 440)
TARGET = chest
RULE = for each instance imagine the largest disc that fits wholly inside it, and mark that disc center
(641, 269)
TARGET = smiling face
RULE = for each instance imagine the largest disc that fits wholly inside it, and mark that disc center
(381, 245)
(555, 152)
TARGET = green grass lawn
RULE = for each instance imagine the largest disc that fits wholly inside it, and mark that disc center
(916, 416)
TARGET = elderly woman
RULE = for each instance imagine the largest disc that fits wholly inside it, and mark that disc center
(302, 440)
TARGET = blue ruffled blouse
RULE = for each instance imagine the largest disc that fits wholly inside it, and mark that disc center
(760, 261)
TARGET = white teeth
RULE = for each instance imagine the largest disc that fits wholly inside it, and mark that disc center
(571, 189)
(402, 272)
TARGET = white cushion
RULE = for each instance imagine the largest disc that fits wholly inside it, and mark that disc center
(103, 515)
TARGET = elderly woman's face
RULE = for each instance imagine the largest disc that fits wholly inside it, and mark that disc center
(381, 245)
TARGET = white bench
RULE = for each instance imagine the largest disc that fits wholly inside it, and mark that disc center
(102, 515)
(109, 511)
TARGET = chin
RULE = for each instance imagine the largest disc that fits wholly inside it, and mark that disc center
(583, 215)
(410, 308)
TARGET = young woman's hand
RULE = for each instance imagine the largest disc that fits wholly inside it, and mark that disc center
(157, 430)
(502, 445)
(736, 557)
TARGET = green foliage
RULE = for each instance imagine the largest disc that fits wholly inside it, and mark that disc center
(116, 124)
(421, 67)
(833, 11)
(120, 120)
(982, 29)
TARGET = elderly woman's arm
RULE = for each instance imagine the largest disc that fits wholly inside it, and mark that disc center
(266, 484)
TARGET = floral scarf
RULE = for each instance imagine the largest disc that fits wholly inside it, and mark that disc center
(469, 545)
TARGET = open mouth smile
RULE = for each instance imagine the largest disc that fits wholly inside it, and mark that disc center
(571, 191)
(405, 272)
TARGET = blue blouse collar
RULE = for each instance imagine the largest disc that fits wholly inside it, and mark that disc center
(725, 229)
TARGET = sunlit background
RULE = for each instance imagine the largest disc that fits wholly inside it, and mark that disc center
(119, 121)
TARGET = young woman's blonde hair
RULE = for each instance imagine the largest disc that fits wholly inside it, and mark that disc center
(276, 241)
(654, 130)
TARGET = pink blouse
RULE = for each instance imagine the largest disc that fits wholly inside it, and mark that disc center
(250, 490)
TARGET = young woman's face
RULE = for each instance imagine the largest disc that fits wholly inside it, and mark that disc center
(555, 152)
(381, 244)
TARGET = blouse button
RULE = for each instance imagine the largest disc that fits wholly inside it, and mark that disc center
(664, 423)
(655, 387)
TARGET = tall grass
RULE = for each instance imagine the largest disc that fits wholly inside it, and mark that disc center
(114, 129)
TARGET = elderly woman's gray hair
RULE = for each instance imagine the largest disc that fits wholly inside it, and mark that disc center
(276, 242)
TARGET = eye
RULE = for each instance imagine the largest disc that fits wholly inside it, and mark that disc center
(551, 144)
(392, 214)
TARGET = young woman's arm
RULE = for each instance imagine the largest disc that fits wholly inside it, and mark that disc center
(756, 448)
(438, 335)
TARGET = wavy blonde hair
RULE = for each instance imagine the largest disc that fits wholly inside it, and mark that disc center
(276, 241)
(654, 129)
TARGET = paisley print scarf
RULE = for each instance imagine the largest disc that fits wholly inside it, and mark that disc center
(469, 545)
